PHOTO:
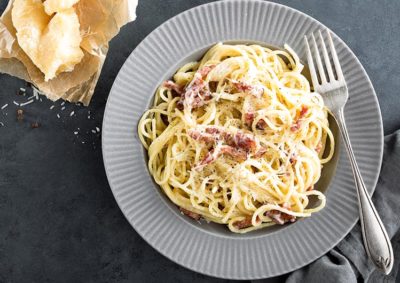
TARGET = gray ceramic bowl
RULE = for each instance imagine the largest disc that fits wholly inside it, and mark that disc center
(210, 248)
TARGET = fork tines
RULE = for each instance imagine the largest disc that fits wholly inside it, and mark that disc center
(325, 72)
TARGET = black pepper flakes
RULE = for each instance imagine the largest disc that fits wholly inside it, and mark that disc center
(35, 125)
(20, 114)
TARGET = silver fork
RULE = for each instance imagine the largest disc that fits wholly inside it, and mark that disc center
(334, 91)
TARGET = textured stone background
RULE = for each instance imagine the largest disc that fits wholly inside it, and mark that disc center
(58, 219)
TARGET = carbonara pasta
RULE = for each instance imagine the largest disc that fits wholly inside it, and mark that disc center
(238, 138)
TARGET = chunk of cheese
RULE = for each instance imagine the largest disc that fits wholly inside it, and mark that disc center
(59, 49)
(30, 20)
(55, 6)
(52, 43)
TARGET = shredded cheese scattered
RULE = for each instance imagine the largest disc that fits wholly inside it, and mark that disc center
(26, 103)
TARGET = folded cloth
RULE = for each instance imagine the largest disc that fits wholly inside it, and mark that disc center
(348, 261)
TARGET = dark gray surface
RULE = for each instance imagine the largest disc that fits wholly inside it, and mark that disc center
(58, 219)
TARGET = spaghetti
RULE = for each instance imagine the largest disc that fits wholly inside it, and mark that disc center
(238, 138)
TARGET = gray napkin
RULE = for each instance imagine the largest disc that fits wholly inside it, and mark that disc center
(348, 261)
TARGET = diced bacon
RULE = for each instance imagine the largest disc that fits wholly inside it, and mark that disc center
(248, 88)
(239, 140)
(173, 86)
(203, 137)
(303, 111)
(195, 97)
(297, 125)
(237, 145)
(293, 159)
(288, 218)
(275, 217)
(190, 214)
(197, 93)
(209, 135)
(204, 71)
(213, 131)
(202, 99)
(261, 124)
(194, 134)
(245, 223)
(242, 86)
(249, 118)
(233, 152)
(244, 141)
(280, 217)
(213, 154)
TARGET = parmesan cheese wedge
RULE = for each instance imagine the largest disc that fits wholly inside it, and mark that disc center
(59, 49)
(55, 6)
(51, 42)
(30, 20)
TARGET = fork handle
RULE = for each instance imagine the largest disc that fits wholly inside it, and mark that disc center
(376, 241)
